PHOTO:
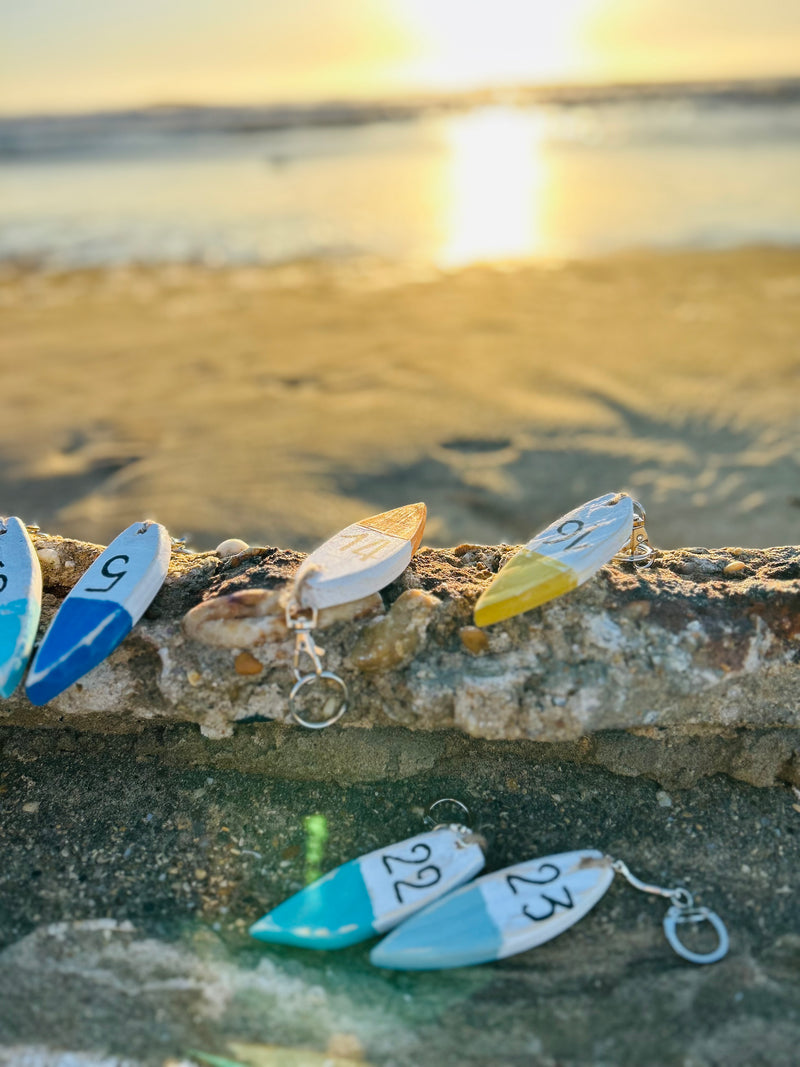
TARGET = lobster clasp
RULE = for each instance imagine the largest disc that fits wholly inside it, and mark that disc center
(638, 551)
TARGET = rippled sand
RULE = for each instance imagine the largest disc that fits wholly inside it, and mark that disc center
(280, 404)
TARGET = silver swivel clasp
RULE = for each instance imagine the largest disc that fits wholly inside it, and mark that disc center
(309, 673)
(638, 551)
(682, 910)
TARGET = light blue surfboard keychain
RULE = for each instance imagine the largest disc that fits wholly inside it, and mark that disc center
(20, 601)
(375, 892)
(515, 909)
(101, 610)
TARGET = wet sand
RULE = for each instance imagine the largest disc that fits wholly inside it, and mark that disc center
(280, 404)
(129, 946)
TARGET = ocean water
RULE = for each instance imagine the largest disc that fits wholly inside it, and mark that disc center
(441, 183)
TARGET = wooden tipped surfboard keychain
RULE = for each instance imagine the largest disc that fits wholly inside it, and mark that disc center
(515, 909)
(102, 608)
(567, 554)
(359, 560)
(372, 894)
(20, 601)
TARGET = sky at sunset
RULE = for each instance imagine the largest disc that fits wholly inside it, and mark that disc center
(111, 53)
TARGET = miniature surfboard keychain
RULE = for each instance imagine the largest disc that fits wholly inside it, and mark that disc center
(515, 909)
(101, 609)
(370, 895)
(359, 560)
(567, 554)
(20, 601)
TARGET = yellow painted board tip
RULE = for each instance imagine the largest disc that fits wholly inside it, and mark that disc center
(527, 581)
(407, 522)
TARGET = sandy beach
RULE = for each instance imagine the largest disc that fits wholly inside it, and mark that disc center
(278, 404)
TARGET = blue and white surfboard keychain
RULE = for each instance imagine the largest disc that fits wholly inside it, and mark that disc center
(20, 601)
(100, 611)
(520, 907)
(372, 894)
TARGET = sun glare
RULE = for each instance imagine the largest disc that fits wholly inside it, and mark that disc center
(494, 195)
(469, 43)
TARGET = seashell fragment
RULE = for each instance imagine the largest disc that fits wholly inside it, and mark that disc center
(253, 617)
(232, 547)
(239, 620)
(735, 567)
(49, 557)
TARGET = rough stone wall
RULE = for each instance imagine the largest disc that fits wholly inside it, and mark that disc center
(707, 640)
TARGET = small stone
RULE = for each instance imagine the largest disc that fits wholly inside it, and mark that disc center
(246, 663)
(636, 609)
(393, 641)
(194, 678)
(664, 799)
(49, 557)
(31, 807)
(474, 639)
(345, 1046)
(232, 547)
(200, 874)
(736, 567)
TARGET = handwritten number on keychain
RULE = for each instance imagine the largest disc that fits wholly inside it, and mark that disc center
(577, 525)
(514, 879)
(113, 575)
(437, 874)
(3, 579)
(365, 546)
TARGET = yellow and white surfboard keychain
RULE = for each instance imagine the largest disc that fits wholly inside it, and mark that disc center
(567, 554)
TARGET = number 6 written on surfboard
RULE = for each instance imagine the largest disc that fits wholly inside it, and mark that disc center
(101, 609)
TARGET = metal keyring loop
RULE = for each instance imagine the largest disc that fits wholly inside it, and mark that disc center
(309, 679)
(429, 819)
(677, 915)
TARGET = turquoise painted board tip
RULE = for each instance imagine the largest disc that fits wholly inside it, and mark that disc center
(500, 914)
(371, 894)
(333, 912)
(20, 602)
(100, 610)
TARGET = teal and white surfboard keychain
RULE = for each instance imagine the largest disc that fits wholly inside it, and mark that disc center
(520, 907)
(20, 601)
(372, 894)
(100, 611)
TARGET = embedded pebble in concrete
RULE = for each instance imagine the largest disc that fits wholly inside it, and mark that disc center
(246, 663)
(392, 642)
(474, 639)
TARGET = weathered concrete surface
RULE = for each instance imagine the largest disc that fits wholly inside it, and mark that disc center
(706, 643)
(126, 887)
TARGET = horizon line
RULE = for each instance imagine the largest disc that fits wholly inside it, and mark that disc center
(420, 97)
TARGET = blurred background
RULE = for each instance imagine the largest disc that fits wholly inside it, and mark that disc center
(268, 267)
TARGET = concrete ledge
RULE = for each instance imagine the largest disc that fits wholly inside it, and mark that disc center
(700, 653)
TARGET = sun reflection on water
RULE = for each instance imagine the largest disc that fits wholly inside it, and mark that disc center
(496, 187)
